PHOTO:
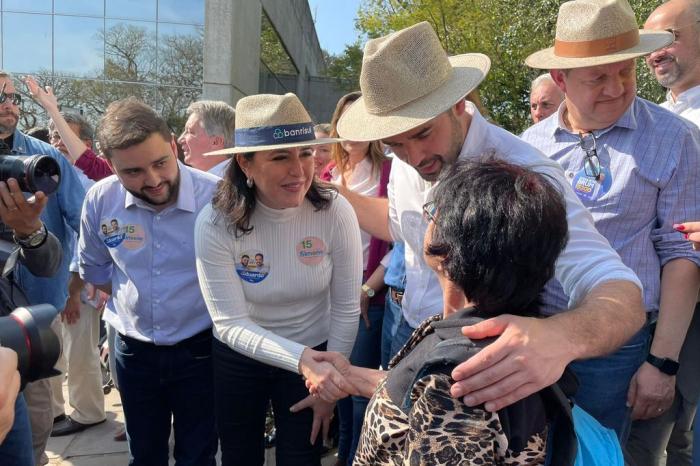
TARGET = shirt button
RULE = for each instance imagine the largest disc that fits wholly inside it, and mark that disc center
(570, 174)
(157, 217)
(157, 245)
(157, 272)
(157, 301)
(157, 327)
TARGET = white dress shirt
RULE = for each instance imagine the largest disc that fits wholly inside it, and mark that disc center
(587, 261)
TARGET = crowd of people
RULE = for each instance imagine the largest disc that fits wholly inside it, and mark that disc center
(414, 270)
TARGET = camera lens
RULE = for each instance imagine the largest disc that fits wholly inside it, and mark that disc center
(32, 172)
(27, 331)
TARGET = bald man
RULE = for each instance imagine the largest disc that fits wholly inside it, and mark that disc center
(545, 97)
(677, 68)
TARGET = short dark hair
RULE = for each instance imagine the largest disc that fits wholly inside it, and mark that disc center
(40, 133)
(128, 122)
(499, 228)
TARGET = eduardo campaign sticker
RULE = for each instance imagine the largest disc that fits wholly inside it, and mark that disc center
(251, 266)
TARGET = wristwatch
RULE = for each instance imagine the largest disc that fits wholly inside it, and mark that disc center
(369, 291)
(34, 240)
(665, 365)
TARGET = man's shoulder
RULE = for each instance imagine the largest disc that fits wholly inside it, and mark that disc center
(660, 118)
(105, 189)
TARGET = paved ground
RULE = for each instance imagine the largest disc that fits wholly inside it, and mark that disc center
(95, 446)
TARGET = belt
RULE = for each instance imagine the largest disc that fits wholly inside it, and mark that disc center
(396, 295)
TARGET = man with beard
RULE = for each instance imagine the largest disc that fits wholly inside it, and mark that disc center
(423, 118)
(677, 68)
(163, 344)
(61, 216)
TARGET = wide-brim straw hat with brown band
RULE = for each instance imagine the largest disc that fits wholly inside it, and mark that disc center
(269, 122)
(406, 80)
(597, 32)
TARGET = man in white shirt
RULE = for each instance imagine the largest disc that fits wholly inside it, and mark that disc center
(677, 68)
(210, 126)
(413, 100)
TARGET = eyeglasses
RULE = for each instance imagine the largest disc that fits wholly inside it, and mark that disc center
(674, 31)
(429, 210)
(14, 97)
(591, 165)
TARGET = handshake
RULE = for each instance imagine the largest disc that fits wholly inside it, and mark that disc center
(330, 376)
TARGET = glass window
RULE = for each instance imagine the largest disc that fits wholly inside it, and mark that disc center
(180, 54)
(79, 7)
(116, 91)
(130, 51)
(78, 46)
(132, 9)
(33, 6)
(181, 11)
(173, 102)
(26, 43)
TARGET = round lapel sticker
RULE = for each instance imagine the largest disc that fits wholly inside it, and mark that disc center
(112, 233)
(252, 266)
(311, 250)
(134, 237)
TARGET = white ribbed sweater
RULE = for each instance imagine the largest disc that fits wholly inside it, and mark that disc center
(310, 293)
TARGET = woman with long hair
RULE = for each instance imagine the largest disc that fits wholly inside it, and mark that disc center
(279, 264)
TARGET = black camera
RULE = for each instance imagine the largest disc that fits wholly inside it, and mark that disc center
(27, 331)
(32, 172)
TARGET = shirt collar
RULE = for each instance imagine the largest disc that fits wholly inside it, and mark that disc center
(476, 133)
(691, 97)
(628, 120)
(185, 195)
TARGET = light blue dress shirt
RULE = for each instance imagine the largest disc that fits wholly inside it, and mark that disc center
(149, 258)
(650, 161)
(61, 217)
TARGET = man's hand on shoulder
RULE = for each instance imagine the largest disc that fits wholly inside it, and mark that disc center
(528, 355)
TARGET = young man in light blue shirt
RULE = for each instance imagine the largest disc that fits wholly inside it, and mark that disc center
(163, 346)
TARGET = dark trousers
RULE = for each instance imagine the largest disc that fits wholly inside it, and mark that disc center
(160, 382)
(243, 387)
(367, 352)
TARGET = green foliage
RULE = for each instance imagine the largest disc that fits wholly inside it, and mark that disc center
(345, 67)
(505, 30)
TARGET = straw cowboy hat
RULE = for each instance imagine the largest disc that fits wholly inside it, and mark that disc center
(406, 80)
(597, 32)
(269, 121)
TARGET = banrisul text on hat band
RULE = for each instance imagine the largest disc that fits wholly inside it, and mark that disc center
(278, 134)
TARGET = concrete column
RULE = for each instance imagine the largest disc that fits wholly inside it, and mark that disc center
(231, 49)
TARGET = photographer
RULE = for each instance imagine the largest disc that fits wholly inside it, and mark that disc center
(40, 253)
(61, 217)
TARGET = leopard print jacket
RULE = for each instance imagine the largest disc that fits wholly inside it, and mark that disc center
(438, 429)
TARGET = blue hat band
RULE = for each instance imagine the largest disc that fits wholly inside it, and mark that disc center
(274, 135)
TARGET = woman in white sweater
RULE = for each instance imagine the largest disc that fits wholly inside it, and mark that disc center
(279, 261)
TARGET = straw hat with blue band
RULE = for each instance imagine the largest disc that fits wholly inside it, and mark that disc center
(269, 122)
(597, 32)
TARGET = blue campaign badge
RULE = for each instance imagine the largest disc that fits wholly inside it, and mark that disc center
(587, 188)
(252, 266)
(112, 233)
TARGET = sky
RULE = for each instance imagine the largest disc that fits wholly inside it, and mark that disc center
(335, 23)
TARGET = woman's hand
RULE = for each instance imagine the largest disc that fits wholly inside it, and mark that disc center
(323, 414)
(44, 97)
(328, 379)
(691, 230)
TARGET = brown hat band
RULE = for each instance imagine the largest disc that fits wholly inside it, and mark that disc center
(598, 47)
